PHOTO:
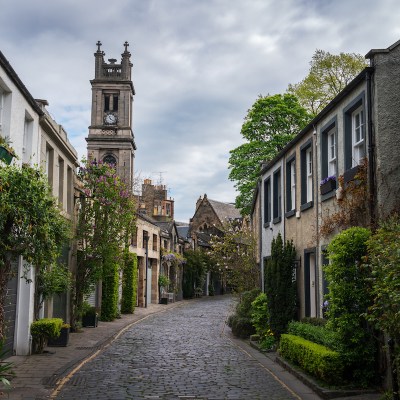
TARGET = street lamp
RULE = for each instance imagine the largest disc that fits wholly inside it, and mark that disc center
(146, 241)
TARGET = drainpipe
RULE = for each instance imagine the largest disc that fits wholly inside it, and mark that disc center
(146, 239)
(371, 151)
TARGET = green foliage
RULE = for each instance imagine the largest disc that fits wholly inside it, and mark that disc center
(328, 76)
(240, 321)
(194, 271)
(106, 220)
(280, 286)
(6, 368)
(349, 298)
(129, 283)
(163, 281)
(260, 321)
(31, 224)
(44, 329)
(315, 359)
(384, 261)
(110, 285)
(316, 334)
(269, 125)
(233, 256)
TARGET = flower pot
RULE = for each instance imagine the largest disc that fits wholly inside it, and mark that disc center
(5, 155)
(328, 186)
(164, 300)
(61, 341)
(89, 320)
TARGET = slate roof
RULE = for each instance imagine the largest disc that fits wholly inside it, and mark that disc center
(183, 231)
(224, 211)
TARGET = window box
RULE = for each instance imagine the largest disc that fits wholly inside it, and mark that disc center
(6, 155)
(90, 320)
(327, 186)
(350, 174)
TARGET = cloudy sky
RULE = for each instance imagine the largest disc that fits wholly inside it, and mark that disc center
(198, 66)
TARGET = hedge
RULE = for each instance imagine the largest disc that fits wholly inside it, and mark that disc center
(129, 283)
(313, 358)
(315, 334)
(43, 329)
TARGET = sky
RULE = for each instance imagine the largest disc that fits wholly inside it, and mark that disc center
(198, 66)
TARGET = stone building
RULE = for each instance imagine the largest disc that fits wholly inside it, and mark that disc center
(356, 133)
(110, 136)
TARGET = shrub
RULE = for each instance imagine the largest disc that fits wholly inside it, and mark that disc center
(260, 321)
(314, 321)
(242, 327)
(240, 322)
(349, 298)
(43, 329)
(129, 283)
(280, 286)
(315, 333)
(110, 285)
(314, 358)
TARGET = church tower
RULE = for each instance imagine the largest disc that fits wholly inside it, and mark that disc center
(111, 137)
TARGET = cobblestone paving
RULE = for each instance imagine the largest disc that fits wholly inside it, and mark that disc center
(179, 354)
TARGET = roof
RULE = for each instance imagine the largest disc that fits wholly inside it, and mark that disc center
(225, 211)
(183, 231)
(203, 239)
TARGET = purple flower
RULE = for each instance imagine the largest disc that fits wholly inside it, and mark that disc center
(327, 179)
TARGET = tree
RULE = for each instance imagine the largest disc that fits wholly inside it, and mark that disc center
(233, 254)
(194, 272)
(329, 74)
(280, 285)
(270, 124)
(31, 226)
(106, 221)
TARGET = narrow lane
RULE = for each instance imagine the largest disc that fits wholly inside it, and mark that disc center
(182, 353)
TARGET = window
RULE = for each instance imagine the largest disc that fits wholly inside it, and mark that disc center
(60, 181)
(277, 197)
(267, 201)
(155, 242)
(27, 139)
(110, 102)
(145, 239)
(69, 190)
(290, 186)
(110, 159)
(49, 164)
(354, 133)
(332, 153)
(134, 239)
(306, 175)
(329, 151)
(357, 127)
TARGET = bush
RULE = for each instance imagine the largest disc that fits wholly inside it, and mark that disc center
(315, 333)
(349, 297)
(240, 322)
(129, 283)
(242, 327)
(314, 358)
(110, 285)
(314, 321)
(260, 321)
(44, 329)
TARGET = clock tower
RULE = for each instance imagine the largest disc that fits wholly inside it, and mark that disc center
(110, 136)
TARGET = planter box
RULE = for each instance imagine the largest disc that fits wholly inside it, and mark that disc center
(5, 155)
(164, 300)
(328, 187)
(90, 321)
(61, 341)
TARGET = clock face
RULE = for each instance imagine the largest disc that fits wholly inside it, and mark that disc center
(110, 119)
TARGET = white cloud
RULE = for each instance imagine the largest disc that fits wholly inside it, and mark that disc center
(198, 66)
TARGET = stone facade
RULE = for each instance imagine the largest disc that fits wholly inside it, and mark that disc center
(111, 137)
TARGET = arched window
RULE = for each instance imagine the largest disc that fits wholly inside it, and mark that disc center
(110, 159)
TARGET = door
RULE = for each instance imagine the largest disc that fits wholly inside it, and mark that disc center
(149, 274)
(310, 285)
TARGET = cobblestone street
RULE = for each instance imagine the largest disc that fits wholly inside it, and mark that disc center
(183, 353)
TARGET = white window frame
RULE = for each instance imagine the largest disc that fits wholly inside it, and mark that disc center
(357, 135)
(2, 95)
(293, 185)
(331, 143)
(309, 176)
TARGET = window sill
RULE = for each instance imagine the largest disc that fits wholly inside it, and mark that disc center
(267, 224)
(328, 195)
(350, 174)
(290, 213)
(306, 206)
(276, 220)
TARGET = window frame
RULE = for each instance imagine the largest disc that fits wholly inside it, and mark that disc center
(307, 179)
(277, 196)
(267, 201)
(291, 186)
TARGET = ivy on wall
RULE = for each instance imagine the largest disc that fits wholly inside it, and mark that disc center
(129, 283)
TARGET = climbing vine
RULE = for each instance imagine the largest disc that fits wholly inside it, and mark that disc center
(352, 203)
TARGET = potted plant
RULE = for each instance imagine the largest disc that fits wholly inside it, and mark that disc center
(6, 151)
(89, 315)
(328, 184)
(163, 283)
(63, 339)
(44, 329)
